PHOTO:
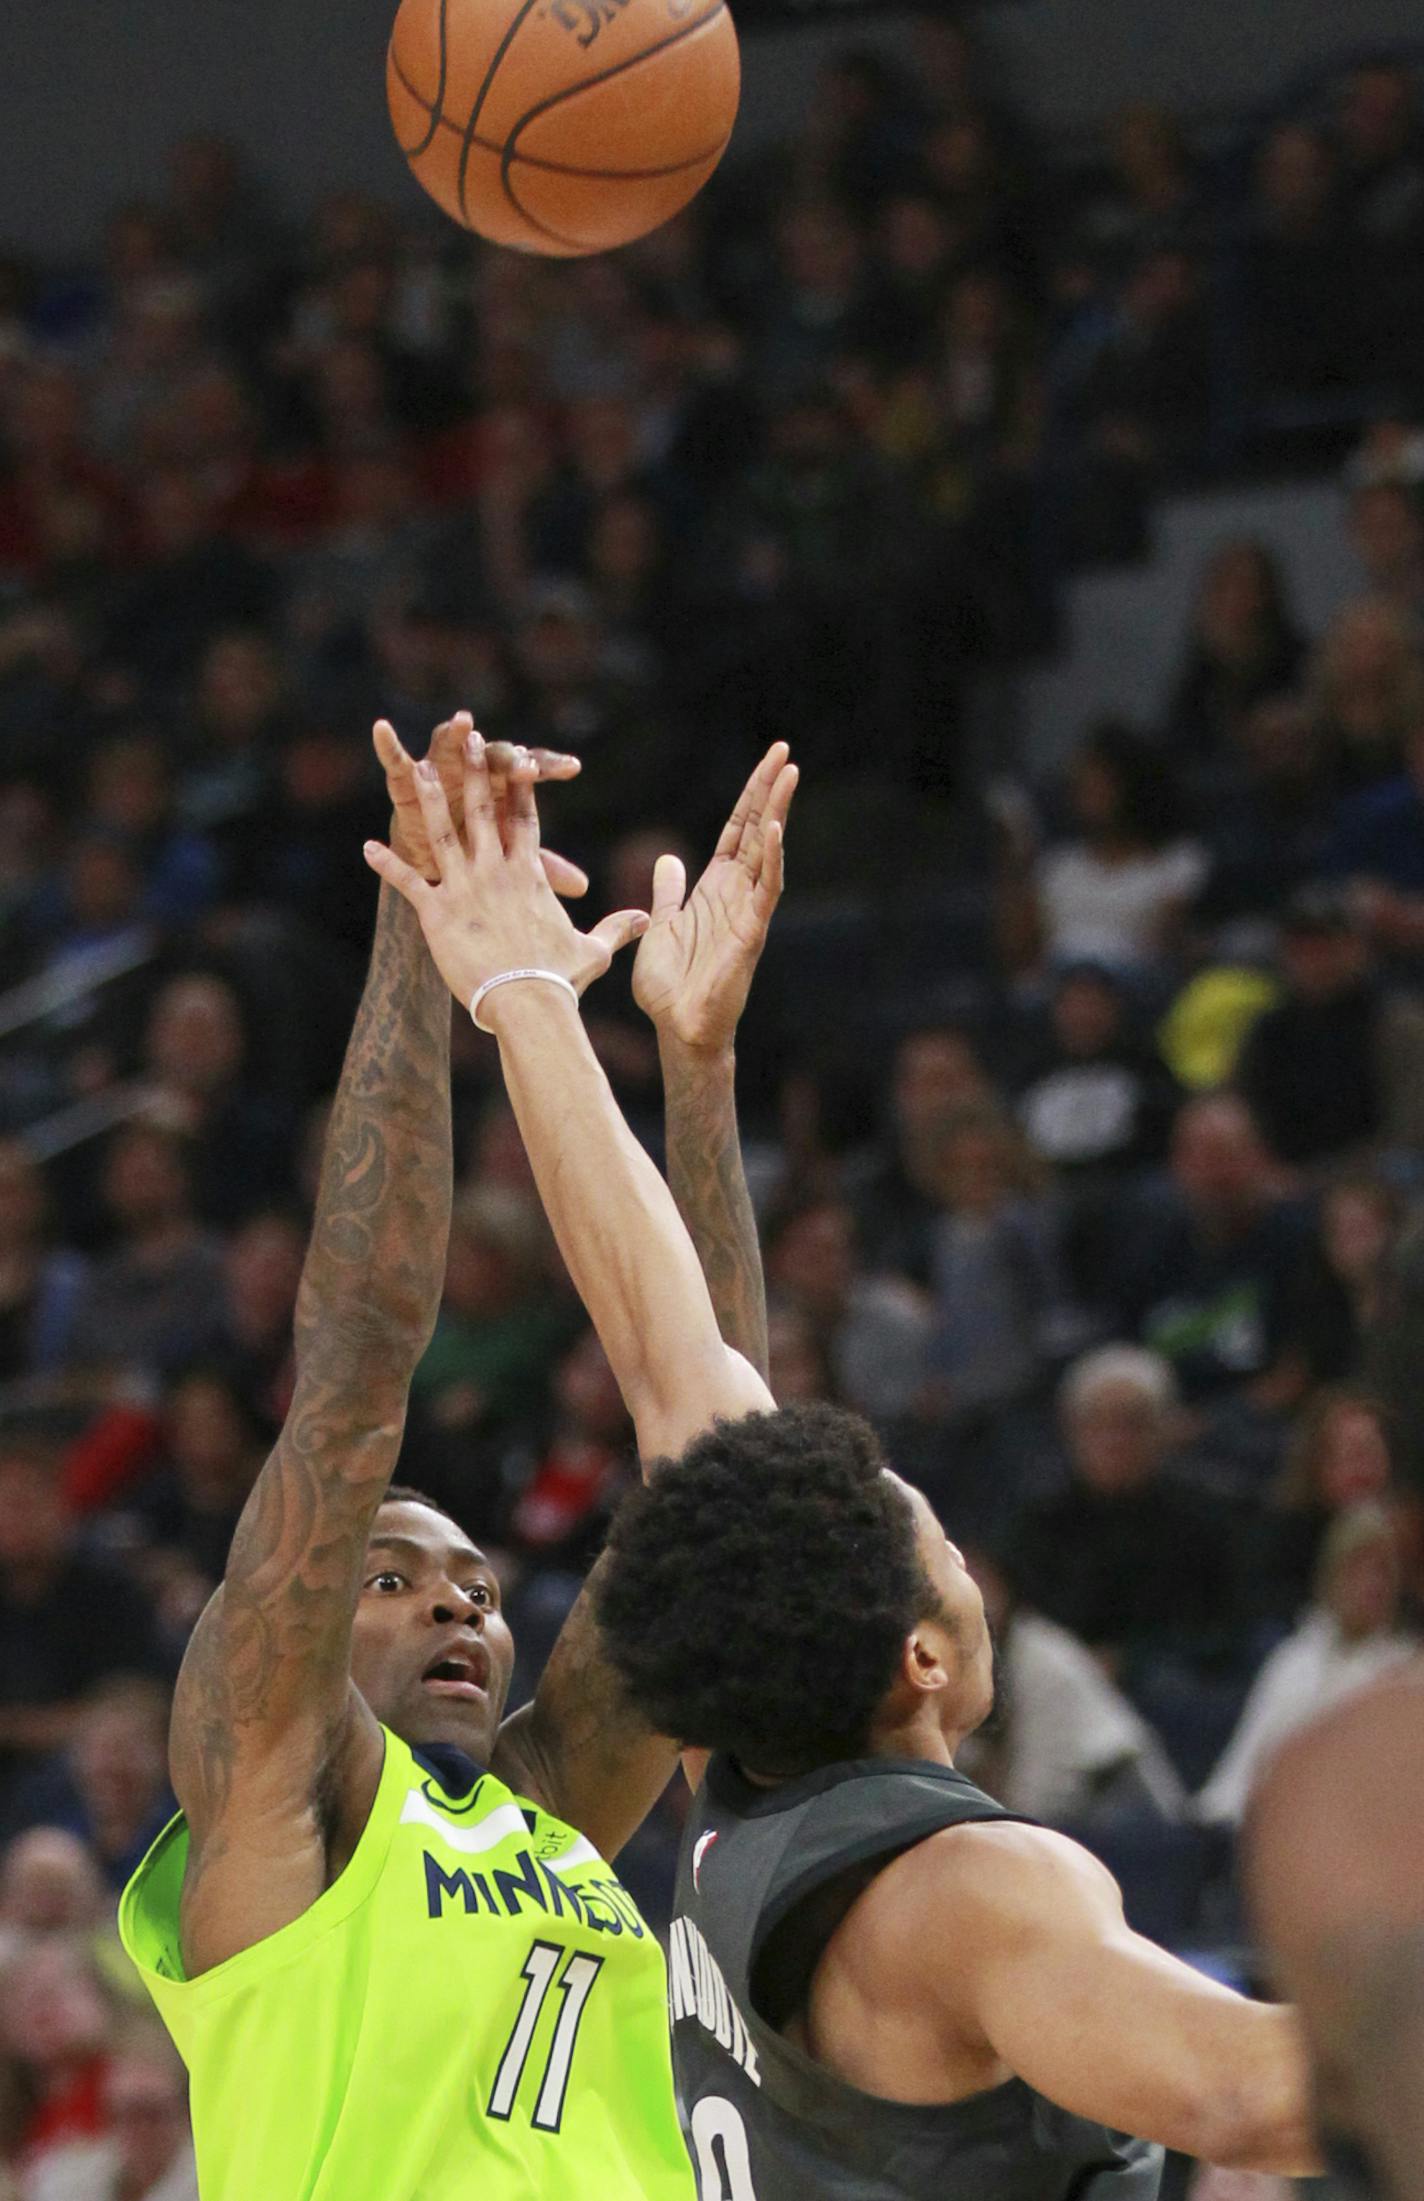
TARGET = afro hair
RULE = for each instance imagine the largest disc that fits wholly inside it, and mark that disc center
(755, 1596)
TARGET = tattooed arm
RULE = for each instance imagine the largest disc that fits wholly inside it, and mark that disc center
(274, 1756)
(693, 976)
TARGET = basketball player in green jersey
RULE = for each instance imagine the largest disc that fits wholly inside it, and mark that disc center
(383, 1931)
(893, 1990)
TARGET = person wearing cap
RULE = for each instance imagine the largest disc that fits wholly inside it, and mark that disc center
(1337, 1066)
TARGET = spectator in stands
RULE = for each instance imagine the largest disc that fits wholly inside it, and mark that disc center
(814, 298)
(570, 1486)
(1339, 1458)
(40, 1283)
(1335, 1010)
(1383, 150)
(155, 1299)
(67, 1619)
(1368, 682)
(145, 2152)
(49, 1883)
(1140, 396)
(1150, 199)
(192, 584)
(130, 795)
(185, 1511)
(998, 1295)
(1208, 1262)
(1296, 251)
(1064, 1745)
(1342, 1299)
(196, 1057)
(262, 1267)
(1116, 890)
(1354, 1633)
(56, 2012)
(1243, 648)
(871, 1329)
(495, 1342)
(1270, 819)
(1387, 536)
(109, 1787)
(888, 1183)
(1096, 1101)
(799, 1368)
(239, 715)
(1128, 1558)
(1378, 846)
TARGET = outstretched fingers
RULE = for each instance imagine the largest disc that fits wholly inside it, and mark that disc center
(752, 801)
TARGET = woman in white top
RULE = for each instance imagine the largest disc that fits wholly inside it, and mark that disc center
(1351, 1635)
(1116, 890)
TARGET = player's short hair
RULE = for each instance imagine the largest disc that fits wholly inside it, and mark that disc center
(406, 1494)
(756, 1595)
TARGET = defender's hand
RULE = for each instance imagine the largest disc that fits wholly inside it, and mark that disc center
(447, 754)
(694, 968)
(492, 908)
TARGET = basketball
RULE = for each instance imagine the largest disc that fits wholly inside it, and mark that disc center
(563, 126)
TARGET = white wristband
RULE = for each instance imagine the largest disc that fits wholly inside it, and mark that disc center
(507, 978)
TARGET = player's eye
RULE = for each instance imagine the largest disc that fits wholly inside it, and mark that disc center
(386, 1581)
(479, 1593)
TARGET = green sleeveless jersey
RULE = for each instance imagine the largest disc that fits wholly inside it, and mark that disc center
(473, 2011)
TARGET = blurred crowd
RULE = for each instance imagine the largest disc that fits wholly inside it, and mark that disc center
(1085, 1117)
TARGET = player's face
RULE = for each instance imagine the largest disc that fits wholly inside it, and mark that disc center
(431, 1651)
(970, 1700)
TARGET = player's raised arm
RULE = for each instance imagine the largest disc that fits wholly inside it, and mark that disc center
(273, 1752)
(692, 977)
(581, 1743)
(1048, 1977)
(618, 1228)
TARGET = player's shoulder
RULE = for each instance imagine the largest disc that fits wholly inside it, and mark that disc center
(985, 1877)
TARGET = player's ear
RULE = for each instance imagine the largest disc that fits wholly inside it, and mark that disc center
(923, 1664)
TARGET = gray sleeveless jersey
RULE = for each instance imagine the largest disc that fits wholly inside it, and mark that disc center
(763, 1880)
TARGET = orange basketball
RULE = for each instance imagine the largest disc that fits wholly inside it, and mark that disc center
(563, 126)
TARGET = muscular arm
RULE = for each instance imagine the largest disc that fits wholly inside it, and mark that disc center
(1050, 1979)
(580, 1743)
(269, 1737)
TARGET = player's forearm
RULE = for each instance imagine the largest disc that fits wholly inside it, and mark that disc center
(376, 1263)
(1255, 2106)
(624, 1243)
(708, 1182)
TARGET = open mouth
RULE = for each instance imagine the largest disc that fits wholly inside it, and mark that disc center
(457, 1673)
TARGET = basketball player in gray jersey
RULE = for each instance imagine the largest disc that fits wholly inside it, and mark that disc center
(884, 1988)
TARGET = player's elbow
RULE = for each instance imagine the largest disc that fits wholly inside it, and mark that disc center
(1237, 2128)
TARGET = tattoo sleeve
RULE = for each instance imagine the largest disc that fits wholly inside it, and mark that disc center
(704, 1166)
(269, 1659)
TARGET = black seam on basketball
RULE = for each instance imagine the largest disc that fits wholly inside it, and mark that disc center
(482, 95)
(619, 68)
(437, 109)
(558, 167)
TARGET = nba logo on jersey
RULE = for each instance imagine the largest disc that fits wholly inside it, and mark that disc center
(703, 1844)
